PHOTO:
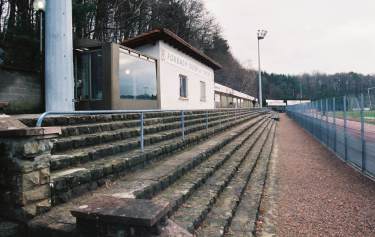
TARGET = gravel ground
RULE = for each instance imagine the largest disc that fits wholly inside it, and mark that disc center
(319, 195)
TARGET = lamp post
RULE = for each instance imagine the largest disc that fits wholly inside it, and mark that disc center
(261, 35)
(57, 49)
(40, 6)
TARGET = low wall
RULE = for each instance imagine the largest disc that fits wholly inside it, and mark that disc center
(22, 90)
(24, 172)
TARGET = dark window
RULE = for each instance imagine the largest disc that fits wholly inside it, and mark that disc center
(89, 75)
(183, 86)
(2, 55)
(97, 75)
(82, 71)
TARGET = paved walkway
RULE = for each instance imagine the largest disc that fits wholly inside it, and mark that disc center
(318, 194)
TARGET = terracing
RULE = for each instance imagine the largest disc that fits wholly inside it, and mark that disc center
(207, 182)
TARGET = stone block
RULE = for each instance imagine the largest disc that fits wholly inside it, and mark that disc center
(30, 180)
(83, 130)
(130, 212)
(43, 206)
(36, 147)
(61, 120)
(36, 194)
(26, 166)
(62, 197)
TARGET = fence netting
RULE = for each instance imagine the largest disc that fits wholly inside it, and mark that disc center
(346, 125)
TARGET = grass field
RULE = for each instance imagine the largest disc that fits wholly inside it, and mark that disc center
(356, 115)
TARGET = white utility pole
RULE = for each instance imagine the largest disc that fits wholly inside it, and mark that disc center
(59, 84)
(261, 35)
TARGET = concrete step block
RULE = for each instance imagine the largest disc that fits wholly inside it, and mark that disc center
(218, 184)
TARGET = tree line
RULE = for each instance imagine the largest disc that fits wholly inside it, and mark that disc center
(316, 85)
(117, 20)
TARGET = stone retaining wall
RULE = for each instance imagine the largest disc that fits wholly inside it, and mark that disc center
(22, 90)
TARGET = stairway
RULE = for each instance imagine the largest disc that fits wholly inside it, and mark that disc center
(208, 178)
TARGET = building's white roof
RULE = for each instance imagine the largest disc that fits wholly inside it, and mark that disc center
(227, 90)
(275, 103)
(297, 102)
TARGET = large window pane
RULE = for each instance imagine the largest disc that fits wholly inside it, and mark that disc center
(137, 78)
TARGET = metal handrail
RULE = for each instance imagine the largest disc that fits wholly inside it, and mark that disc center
(142, 117)
(90, 112)
(97, 112)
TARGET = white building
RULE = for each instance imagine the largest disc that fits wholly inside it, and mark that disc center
(155, 70)
(297, 102)
(185, 75)
(276, 103)
(226, 97)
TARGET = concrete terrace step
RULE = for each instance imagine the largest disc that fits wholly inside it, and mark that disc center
(241, 197)
(80, 141)
(143, 183)
(195, 209)
(215, 164)
(147, 183)
(80, 129)
(243, 223)
(69, 120)
(80, 155)
(74, 181)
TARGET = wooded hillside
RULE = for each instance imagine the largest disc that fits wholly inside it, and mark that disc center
(116, 20)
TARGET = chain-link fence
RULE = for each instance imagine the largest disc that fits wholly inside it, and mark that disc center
(346, 125)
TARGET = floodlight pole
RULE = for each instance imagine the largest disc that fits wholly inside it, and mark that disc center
(261, 35)
(259, 78)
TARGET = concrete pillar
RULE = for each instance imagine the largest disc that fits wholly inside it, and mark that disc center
(59, 56)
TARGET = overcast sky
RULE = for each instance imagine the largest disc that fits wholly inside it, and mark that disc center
(304, 35)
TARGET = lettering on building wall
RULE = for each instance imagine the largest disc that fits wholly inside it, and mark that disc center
(180, 61)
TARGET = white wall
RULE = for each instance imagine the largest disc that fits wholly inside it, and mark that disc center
(172, 63)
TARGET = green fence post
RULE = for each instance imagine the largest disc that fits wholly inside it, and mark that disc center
(363, 140)
(334, 125)
(312, 117)
(321, 121)
(345, 130)
(327, 123)
(142, 139)
(316, 118)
